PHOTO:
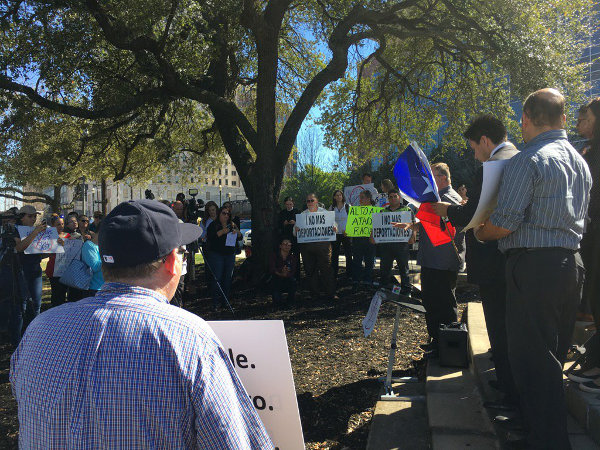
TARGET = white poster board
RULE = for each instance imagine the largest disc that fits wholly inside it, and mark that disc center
(492, 176)
(259, 352)
(381, 200)
(44, 242)
(352, 192)
(72, 250)
(315, 226)
(384, 231)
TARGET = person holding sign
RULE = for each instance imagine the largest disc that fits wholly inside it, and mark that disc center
(316, 257)
(439, 266)
(395, 251)
(132, 370)
(31, 263)
(58, 291)
(340, 208)
(363, 249)
(487, 136)
(222, 235)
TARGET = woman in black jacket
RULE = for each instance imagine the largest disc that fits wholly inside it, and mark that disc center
(222, 235)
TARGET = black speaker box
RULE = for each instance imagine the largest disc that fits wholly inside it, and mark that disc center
(453, 345)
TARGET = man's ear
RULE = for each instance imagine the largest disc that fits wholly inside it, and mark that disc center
(171, 262)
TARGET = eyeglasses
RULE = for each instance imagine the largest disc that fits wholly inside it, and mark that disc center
(182, 251)
(225, 213)
(85, 221)
(310, 200)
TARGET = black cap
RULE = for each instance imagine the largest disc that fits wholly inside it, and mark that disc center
(142, 231)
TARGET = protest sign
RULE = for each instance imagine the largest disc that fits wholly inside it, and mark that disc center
(359, 223)
(315, 226)
(352, 192)
(370, 320)
(381, 200)
(72, 250)
(492, 175)
(44, 242)
(384, 231)
(258, 350)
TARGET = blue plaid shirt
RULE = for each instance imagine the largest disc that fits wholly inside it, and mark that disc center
(126, 369)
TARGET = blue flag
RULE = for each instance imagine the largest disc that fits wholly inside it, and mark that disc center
(414, 178)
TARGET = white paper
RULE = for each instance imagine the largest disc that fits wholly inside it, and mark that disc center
(370, 320)
(231, 239)
(259, 352)
(352, 192)
(384, 231)
(315, 226)
(72, 250)
(44, 242)
(492, 176)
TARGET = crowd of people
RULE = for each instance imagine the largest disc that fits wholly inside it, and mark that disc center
(525, 259)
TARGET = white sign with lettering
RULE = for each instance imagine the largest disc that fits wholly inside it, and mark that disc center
(72, 249)
(44, 242)
(315, 226)
(259, 352)
(384, 231)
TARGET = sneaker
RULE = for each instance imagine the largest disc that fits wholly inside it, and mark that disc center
(584, 376)
(590, 386)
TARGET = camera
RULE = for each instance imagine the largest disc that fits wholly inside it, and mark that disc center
(194, 207)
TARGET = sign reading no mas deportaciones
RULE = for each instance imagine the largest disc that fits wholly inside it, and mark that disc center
(384, 231)
(315, 226)
(359, 222)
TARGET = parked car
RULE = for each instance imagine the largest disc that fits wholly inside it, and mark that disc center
(246, 230)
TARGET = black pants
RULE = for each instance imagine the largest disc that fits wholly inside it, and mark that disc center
(590, 253)
(543, 292)
(390, 252)
(58, 294)
(493, 299)
(438, 289)
(282, 285)
(340, 240)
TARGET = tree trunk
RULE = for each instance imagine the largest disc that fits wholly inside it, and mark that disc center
(55, 203)
(262, 190)
(103, 195)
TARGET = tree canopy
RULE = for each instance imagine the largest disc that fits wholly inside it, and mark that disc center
(127, 68)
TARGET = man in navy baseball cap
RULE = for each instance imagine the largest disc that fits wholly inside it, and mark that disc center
(132, 370)
(142, 231)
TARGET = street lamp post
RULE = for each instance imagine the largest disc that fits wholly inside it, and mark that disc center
(220, 192)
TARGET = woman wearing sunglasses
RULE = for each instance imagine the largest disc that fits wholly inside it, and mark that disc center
(222, 235)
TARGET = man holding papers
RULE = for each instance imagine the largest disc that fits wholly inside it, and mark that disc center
(485, 263)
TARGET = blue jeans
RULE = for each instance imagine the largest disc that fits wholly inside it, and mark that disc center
(222, 268)
(33, 289)
(363, 250)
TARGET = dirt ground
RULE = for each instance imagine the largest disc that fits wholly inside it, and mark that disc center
(336, 369)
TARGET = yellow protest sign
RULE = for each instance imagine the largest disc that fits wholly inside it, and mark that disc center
(360, 221)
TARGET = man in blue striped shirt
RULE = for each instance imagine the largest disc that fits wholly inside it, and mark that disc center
(125, 369)
(539, 221)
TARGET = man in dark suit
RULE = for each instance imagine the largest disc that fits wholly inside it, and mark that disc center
(485, 263)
